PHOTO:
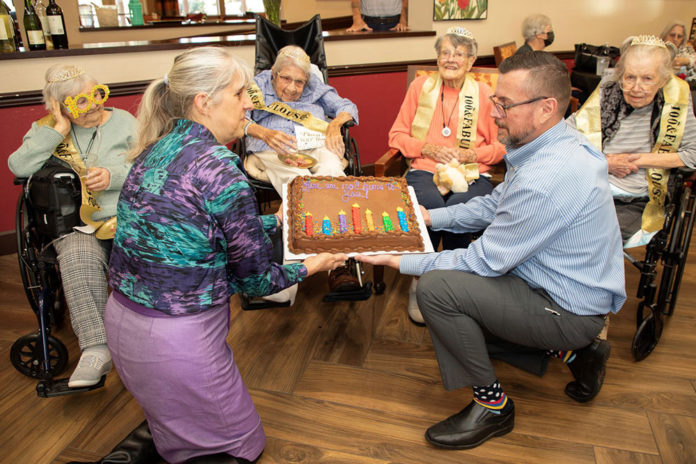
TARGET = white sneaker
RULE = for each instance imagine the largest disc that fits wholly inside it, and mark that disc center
(92, 366)
(413, 310)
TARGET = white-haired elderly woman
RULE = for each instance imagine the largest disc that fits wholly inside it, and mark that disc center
(642, 120)
(675, 32)
(93, 140)
(435, 126)
(285, 97)
(189, 237)
(537, 32)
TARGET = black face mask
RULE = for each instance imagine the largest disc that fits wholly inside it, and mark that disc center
(549, 39)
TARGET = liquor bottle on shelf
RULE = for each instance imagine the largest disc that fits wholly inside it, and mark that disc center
(40, 9)
(56, 24)
(7, 37)
(32, 25)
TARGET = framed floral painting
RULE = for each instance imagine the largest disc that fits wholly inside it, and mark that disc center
(449, 10)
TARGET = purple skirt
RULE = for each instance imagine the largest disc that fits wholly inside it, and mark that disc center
(182, 373)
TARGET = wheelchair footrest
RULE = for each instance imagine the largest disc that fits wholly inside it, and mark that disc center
(363, 293)
(249, 304)
(51, 388)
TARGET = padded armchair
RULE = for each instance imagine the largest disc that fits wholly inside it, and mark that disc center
(501, 52)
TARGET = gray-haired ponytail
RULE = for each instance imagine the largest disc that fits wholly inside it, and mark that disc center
(199, 70)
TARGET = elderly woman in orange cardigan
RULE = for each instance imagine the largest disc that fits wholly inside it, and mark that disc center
(445, 118)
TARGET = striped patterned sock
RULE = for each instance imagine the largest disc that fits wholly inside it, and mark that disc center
(565, 356)
(492, 397)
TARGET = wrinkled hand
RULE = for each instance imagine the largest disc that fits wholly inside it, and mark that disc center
(439, 153)
(62, 123)
(97, 179)
(400, 27)
(380, 260)
(466, 155)
(280, 142)
(622, 164)
(324, 262)
(426, 216)
(359, 26)
(334, 139)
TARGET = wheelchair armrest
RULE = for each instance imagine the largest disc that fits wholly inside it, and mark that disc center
(20, 180)
(387, 161)
(349, 123)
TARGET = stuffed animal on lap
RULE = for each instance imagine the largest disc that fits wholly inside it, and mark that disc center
(454, 176)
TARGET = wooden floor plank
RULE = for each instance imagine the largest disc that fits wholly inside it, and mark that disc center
(676, 437)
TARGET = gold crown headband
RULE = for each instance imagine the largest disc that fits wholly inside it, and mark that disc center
(649, 40)
(460, 31)
(66, 75)
(296, 53)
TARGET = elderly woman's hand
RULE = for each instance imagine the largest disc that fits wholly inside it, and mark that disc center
(440, 154)
(466, 155)
(324, 262)
(97, 179)
(280, 142)
(334, 139)
(622, 164)
(62, 123)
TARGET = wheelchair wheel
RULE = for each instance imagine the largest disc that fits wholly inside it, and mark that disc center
(26, 356)
(647, 336)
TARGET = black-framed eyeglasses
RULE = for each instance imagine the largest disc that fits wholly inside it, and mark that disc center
(502, 108)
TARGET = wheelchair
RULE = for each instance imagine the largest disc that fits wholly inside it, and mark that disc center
(670, 247)
(40, 355)
(269, 40)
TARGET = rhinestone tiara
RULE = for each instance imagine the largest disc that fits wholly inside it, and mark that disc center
(296, 53)
(460, 31)
(66, 75)
(650, 40)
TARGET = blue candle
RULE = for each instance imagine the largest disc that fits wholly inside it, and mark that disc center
(326, 226)
(402, 219)
(342, 223)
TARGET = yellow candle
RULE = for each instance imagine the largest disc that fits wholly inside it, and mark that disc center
(368, 219)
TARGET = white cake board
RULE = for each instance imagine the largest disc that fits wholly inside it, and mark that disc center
(290, 256)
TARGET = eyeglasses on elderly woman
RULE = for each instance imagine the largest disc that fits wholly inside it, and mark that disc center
(629, 81)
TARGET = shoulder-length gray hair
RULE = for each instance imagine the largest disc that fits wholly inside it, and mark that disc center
(294, 56)
(62, 81)
(458, 40)
(663, 55)
(533, 25)
(205, 70)
(669, 28)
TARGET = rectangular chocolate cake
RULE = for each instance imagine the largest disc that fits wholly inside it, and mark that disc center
(351, 214)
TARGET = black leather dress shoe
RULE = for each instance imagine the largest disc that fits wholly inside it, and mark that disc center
(471, 427)
(588, 368)
(137, 448)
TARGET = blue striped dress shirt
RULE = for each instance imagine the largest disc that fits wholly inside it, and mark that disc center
(552, 223)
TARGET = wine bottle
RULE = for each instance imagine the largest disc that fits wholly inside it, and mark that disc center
(32, 25)
(40, 9)
(7, 37)
(56, 25)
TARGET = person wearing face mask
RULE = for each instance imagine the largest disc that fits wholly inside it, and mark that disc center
(289, 98)
(82, 134)
(642, 120)
(685, 58)
(446, 117)
(537, 32)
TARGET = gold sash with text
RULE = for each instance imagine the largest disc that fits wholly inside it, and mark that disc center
(468, 110)
(672, 122)
(67, 152)
(283, 110)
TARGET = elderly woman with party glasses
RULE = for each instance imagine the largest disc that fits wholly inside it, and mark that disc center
(289, 99)
(446, 118)
(93, 140)
(642, 120)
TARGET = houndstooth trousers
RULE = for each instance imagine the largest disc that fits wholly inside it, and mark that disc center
(84, 260)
